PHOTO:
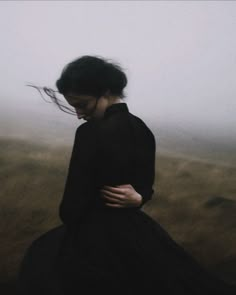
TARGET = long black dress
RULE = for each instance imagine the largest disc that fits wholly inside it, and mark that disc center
(105, 250)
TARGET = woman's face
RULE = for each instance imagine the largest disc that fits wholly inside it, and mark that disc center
(86, 106)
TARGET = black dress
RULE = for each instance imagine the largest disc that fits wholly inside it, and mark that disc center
(105, 250)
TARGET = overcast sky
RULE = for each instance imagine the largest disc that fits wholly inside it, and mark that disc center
(179, 56)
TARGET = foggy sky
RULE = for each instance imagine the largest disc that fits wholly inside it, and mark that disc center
(179, 56)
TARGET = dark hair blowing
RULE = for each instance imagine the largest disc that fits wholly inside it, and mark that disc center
(88, 75)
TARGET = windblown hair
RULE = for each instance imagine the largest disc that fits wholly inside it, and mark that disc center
(87, 75)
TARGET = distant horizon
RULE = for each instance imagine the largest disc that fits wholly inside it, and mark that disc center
(15, 114)
(199, 142)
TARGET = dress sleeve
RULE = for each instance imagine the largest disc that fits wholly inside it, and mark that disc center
(80, 183)
(146, 196)
(146, 185)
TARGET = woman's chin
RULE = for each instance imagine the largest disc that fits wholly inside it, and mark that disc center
(84, 118)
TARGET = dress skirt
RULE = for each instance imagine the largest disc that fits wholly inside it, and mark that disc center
(114, 251)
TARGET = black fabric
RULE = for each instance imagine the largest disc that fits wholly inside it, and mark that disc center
(120, 149)
(104, 250)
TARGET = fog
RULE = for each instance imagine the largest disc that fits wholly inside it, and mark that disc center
(179, 56)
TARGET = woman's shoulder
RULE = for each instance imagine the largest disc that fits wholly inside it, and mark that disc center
(139, 120)
(113, 125)
(89, 126)
(120, 125)
(141, 125)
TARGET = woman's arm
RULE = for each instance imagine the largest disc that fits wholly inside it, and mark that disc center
(141, 192)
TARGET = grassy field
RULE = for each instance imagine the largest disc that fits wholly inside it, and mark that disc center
(195, 202)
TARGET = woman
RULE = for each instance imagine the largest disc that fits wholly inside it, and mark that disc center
(106, 243)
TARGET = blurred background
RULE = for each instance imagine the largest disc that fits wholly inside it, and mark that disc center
(180, 60)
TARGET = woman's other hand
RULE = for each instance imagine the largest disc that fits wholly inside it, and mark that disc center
(121, 196)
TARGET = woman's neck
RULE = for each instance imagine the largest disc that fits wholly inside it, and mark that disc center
(115, 100)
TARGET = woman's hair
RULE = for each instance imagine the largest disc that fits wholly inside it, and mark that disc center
(88, 75)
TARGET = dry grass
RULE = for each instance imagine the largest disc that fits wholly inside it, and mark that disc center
(195, 202)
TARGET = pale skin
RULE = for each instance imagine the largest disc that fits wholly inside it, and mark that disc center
(120, 196)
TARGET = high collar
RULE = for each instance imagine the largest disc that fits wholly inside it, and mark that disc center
(115, 108)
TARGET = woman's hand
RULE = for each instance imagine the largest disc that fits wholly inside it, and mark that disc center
(121, 196)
